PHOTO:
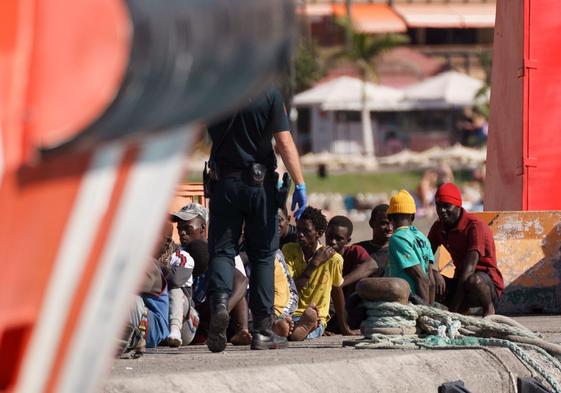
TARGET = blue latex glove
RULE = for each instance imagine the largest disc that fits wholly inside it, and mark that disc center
(299, 198)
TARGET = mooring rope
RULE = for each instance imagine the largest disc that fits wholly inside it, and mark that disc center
(394, 325)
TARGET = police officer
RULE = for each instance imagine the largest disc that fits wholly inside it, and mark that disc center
(244, 191)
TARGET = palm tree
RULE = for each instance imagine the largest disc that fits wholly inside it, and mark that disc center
(363, 50)
(348, 29)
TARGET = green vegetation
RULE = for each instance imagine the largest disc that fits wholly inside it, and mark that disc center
(195, 177)
(363, 49)
(366, 182)
(354, 183)
(307, 65)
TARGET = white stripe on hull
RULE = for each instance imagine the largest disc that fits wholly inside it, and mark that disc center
(81, 229)
(136, 228)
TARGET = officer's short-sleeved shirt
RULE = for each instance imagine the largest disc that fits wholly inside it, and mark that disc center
(408, 247)
(249, 139)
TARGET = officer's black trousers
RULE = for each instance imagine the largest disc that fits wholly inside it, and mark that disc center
(234, 203)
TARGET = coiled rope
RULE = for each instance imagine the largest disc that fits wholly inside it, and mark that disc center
(394, 325)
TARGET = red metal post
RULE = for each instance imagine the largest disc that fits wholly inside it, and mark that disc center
(522, 155)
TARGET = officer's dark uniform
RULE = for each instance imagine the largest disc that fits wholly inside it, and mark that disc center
(234, 202)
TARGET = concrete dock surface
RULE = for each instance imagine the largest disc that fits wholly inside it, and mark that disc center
(325, 365)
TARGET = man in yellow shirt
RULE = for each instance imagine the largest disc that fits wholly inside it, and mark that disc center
(318, 274)
(286, 298)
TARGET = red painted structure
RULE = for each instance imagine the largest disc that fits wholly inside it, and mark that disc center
(94, 95)
(523, 160)
(50, 88)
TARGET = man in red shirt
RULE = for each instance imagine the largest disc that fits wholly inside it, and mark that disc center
(477, 280)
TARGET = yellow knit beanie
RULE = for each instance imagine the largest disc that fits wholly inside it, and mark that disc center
(402, 203)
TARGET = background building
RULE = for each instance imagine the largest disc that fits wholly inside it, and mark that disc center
(442, 36)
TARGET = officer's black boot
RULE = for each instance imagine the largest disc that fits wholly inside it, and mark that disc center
(263, 336)
(219, 318)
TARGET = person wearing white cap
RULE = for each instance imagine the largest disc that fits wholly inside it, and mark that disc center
(191, 222)
(183, 317)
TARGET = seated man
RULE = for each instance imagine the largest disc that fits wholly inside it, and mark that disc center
(409, 251)
(238, 331)
(286, 298)
(357, 264)
(287, 231)
(377, 247)
(318, 274)
(191, 222)
(477, 280)
(198, 250)
(156, 301)
(177, 266)
(237, 304)
(148, 324)
(286, 295)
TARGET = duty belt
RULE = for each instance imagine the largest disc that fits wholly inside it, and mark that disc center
(231, 172)
(238, 173)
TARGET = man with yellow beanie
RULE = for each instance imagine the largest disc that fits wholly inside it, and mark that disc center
(409, 251)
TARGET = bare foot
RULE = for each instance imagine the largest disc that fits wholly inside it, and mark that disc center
(283, 327)
(243, 337)
(290, 325)
(307, 323)
(280, 327)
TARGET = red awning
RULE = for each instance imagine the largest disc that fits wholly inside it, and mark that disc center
(448, 15)
(373, 18)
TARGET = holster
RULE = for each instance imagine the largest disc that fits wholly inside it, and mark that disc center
(283, 190)
(256, 174)
(210, 175)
